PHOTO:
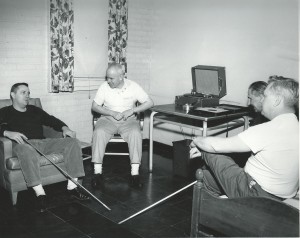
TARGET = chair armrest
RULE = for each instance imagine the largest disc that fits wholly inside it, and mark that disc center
(5, 153)
(140, 117)
(5, 148)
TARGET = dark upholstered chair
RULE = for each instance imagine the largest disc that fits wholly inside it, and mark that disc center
(11, 176)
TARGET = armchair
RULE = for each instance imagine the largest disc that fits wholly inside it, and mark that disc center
(11, 176)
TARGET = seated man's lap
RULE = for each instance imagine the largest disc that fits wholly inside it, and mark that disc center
(46, 146)
(233, 180)
(129, 126)
(106, 124)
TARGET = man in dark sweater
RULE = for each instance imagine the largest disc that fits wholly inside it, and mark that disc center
(23, 121)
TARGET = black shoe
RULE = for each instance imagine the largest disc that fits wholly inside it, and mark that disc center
(40, 205)
(75, 193)
(97, 181)
(135, 182)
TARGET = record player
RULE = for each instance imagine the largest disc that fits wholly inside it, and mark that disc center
(209, 85)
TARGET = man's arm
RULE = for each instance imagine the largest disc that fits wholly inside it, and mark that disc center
(220, 145)
(143, 107)
(106, 112)
(16, 136)
(49, 120)
(68, 132)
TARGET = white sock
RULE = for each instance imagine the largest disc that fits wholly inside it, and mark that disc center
(71, 185)
(39, 190)
(135, 169)
(97, 168)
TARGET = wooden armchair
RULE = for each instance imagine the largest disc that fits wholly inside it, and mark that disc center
(11, 176)
(237, 217)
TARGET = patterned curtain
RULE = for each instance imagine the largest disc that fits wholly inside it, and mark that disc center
(62, 44)
(117, 32)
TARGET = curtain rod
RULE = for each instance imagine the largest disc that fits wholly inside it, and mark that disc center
(93, 77)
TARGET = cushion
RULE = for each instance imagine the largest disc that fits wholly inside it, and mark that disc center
(13, 162)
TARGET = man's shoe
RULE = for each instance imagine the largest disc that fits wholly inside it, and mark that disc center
(135, 182)
(97, 181)
(75, 193)
(40, 205)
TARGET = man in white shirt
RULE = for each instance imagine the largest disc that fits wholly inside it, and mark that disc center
(273, 167)
(115, 101)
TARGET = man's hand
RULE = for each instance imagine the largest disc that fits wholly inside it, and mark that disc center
(16, 136)
(194, 151)
(67, 132)
(127, 114)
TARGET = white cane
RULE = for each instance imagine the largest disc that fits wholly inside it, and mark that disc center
(68, 176)
(147, 208)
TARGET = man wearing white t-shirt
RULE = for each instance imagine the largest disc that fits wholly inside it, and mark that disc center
(273, 167)
(115, 101)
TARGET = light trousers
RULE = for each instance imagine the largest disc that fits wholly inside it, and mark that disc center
(129, 130)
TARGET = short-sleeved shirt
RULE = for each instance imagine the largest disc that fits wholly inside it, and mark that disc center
(274, 163)
(122, 99)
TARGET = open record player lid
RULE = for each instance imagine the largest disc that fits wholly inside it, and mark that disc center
(209, 80)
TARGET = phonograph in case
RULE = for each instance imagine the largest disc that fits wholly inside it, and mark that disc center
(209, 85)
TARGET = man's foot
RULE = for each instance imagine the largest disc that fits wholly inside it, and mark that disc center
(40, 203)
(77, 194)
(97, 181)
(135, 182)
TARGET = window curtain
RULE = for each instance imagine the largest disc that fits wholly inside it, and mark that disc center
(118, 32)
(62, 45)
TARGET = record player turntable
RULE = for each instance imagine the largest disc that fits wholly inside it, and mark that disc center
(209, 85)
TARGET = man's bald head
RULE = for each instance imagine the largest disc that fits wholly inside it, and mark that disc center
(115, 75)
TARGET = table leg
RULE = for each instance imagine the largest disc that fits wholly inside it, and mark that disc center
(246, 122)
(151, 142)
(204, 132)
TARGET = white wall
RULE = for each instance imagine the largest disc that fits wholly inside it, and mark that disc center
(23, 45)
(91, 34)
(253, 39)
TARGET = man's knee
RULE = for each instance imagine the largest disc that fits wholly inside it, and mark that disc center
(135, 133)
(70, 142)
(23, 148)
(99, 132)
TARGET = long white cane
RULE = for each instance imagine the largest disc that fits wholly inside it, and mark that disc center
(147, 208)
(67, 175)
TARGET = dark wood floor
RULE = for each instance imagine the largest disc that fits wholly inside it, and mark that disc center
(69, 218)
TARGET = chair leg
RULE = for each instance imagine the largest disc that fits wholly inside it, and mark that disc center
(13, 197)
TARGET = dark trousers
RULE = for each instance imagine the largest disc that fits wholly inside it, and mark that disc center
(224, 176)
(29, 157)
